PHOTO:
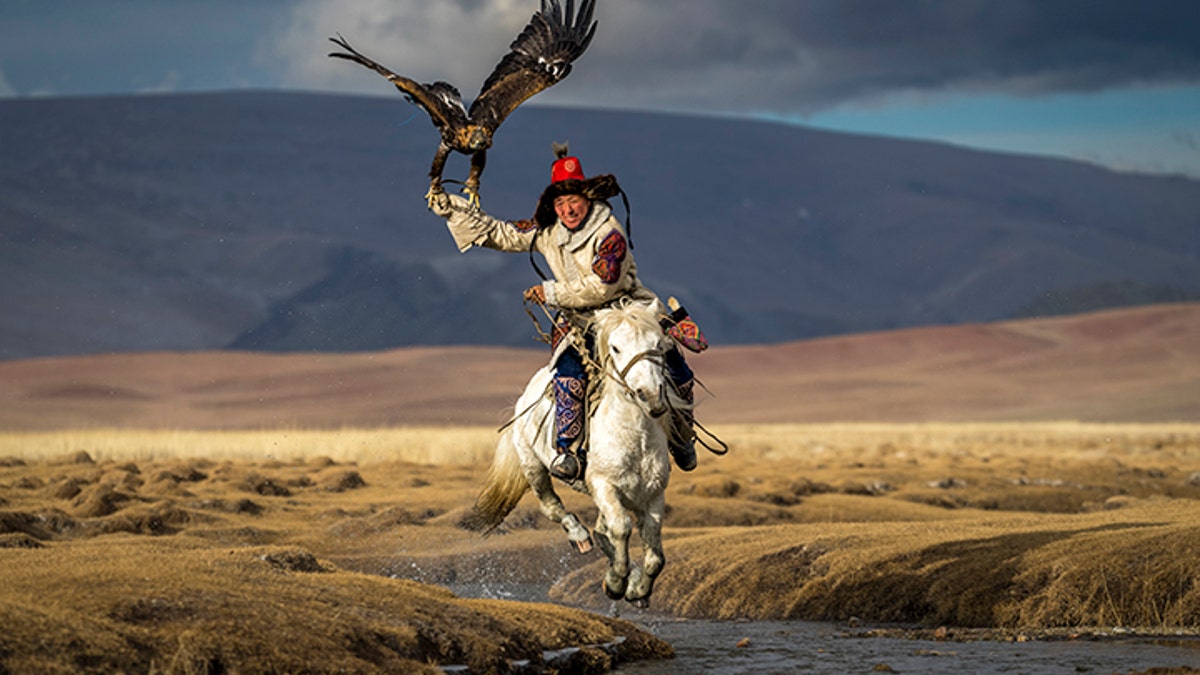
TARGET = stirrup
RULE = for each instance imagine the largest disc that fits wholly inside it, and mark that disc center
(567, 467)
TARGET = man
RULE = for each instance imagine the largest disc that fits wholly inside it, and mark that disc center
(588, 254)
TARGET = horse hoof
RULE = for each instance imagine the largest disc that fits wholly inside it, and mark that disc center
(584, 546)
(609, 592)
(641, 603)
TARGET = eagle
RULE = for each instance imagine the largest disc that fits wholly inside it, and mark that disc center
(540, 56)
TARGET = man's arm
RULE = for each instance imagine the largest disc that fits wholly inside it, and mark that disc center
(472, 227)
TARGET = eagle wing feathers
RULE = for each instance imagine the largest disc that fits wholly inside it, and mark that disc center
(440, 100)
(539, 57)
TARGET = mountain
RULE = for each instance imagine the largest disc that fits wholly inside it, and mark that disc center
(1137, 364)
(285, 221)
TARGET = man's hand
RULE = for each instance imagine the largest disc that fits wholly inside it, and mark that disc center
(535, 294)
(443, 204)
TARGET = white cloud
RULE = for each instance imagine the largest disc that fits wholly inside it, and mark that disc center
(645, 54)
(168, 84)
(6, 89)
(426, 41)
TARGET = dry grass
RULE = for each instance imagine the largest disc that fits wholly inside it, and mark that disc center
(178, 605)
(1129, 567)
(196, 565)
(259, 551)
(422, 445)
(815, 443)
(1020, 526)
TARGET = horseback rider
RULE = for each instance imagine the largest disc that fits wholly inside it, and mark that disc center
(589, 256)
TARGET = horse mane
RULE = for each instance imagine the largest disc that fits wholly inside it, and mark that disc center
(625, 311)
(641, 317)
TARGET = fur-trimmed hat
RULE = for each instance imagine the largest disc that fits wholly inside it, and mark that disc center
(567, 178)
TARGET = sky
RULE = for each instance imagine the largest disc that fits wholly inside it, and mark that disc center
(1113, 82)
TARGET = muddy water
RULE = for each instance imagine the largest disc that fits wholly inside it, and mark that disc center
(711, 647)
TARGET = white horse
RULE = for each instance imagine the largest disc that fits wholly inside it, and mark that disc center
(628, 462)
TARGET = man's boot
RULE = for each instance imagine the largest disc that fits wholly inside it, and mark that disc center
(683, 438)
(568, 427)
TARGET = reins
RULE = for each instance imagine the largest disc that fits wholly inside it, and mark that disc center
(655, 354)
(591, 364)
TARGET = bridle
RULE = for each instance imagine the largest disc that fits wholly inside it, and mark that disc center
(658, 356)
(655, 356)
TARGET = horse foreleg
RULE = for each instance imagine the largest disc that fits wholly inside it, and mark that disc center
(613, 527)
(641, 582)
(553, 508)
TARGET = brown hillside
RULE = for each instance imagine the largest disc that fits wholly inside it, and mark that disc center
(1132, 365)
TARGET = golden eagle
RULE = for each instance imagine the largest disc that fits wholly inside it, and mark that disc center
(540, 56)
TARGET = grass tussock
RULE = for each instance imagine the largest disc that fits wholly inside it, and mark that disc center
(1130, 568)
(196, 565)
(173, 606)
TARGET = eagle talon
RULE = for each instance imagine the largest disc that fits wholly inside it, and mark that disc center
(472, 195)
(436, 198)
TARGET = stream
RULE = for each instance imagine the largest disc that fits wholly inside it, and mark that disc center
(712, 647)
(808, 647)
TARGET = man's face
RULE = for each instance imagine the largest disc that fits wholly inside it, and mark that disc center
(571, 210)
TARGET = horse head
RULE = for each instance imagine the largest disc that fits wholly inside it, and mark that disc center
(633, 345)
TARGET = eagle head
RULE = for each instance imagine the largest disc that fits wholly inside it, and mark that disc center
(476, 138)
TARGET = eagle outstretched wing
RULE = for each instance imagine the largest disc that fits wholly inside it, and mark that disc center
(539, 57)
(440, 100)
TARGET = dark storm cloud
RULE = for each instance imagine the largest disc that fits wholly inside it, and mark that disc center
(783, 56)
(789, 56)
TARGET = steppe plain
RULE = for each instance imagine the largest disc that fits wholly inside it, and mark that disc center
(236, 512)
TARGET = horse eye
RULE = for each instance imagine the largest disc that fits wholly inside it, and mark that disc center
(616, 351)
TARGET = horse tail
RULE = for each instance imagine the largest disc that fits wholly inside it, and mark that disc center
(503, 488)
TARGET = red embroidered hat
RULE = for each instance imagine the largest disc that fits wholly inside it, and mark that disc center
(567, 178)
(567, 168)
